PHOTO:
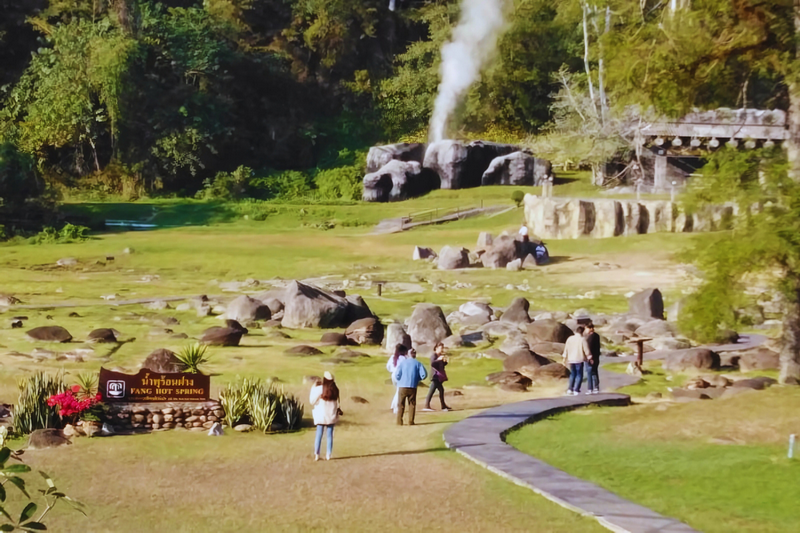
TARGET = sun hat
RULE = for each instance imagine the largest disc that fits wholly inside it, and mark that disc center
(328, 376)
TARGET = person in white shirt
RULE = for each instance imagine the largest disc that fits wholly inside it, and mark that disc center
(324, 399)
(576, 353)
(400, 353)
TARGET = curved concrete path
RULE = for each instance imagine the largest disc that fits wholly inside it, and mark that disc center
(481, 438)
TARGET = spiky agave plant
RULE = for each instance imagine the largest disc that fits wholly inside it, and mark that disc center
(88, 381)
(235, 400)
(193, 356)
(31, 411)
(291, 409)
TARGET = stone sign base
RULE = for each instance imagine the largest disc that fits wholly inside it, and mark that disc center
(197, 416)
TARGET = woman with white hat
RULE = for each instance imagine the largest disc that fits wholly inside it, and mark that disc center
(324, 399)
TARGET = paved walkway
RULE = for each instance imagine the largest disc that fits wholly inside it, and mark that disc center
(481, 438)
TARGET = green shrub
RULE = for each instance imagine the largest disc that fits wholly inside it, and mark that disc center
(517, 197)
(68, 233)
(227, 185)
(31, 411)
(288, 185)
(261, 404)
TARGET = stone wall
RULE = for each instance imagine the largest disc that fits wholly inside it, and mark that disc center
(572, 218)
(197, 416)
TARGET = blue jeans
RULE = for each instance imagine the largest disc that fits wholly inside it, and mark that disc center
(575, 376)
(318, 440)
(591, 370)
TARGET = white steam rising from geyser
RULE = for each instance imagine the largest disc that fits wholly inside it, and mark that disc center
(473, 43)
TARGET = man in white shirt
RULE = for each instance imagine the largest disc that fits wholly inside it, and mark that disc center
(523, 233)
(576, 353)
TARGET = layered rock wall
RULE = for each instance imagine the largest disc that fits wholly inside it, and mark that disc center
(572, 218)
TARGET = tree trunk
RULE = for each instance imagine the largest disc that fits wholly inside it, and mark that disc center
(793, 142)
(600, 71)
(586, 50)
(790, 351)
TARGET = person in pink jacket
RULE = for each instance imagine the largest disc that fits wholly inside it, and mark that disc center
(324, 399)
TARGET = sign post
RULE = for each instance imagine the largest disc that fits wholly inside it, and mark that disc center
(149, 386)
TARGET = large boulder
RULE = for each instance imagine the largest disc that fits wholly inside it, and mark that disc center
(426, 326)
(41, 439)
(365, 331)
(549, 349)
(514, 342)
(647, 304)
(244, 309)
(517, 312)
(49, 334)
(657, 328)
(517, 168)
(485, 240)
(507, 378)
(759, 359)
(502, 251)
(101, 335)
(548, 330)
(757, 383)
(451, 258)
(357, 308)
(461, 165)
(334, 338)
(306, 306)
(396, 334)
(471, 313)
(692, 359)
(379, 156)
(524, 358)
(398, 180)
(421, 252)
(222, 336)
(163, 361)
(551, 372)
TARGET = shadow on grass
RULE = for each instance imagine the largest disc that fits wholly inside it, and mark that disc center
(388, 454)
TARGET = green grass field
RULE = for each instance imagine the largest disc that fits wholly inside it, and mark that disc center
(719, 465)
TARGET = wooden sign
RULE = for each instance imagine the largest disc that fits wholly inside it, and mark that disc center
(149, 386)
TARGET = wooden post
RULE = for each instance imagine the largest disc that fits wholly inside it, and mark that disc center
(380, 288)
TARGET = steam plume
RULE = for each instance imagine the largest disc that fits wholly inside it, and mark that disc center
(473, 43)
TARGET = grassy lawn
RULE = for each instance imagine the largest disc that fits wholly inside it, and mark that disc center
(719, 465)
(387, 477)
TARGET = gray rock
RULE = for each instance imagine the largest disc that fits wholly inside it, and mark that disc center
(421, 253)
(398, 180)
(101, 335)
(692, 359)
(503, 250)
(396, 334)
(302, 350)
(524, 358)
(243, 428)
(485, 240)
(515, 168)
(365, 331)
(163, 361)
(647, 304)
(668, 343)
(471, 313)
(552, 371)
(426, 326)
(517, 312)
(379, 156)
(759, 359)
(656, 328)
(514, 342)
(334, 338)
(461, 165)
(549, 349)
(451, 258)
(6, 300)
(515, 265)
(157, 305)
(306, 306)
(244, 308)
(506, 377)
(67, 262)
(219, 336)
(548, 330)
(759, 383)
(42, 439)
(357, 309)
(529, 263)
(49, 334)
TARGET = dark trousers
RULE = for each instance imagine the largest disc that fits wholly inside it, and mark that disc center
(575, 376)
(592, 371)
(435, 385)
(406, 393)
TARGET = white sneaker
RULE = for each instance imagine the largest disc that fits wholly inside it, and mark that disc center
(316, 457)
(427, 409)
(328, 457)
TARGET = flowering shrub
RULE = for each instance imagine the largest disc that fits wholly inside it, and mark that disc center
(71, 406)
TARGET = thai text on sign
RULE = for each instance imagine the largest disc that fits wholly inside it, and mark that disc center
(149, 386)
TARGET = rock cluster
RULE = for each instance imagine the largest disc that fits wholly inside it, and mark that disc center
(401, 171)
(197, 416)
(572, 218)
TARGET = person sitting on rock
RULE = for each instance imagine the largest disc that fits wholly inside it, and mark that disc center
(523, 233)
(541, 254)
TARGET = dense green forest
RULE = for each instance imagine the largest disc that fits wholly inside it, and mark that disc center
(282, 98)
